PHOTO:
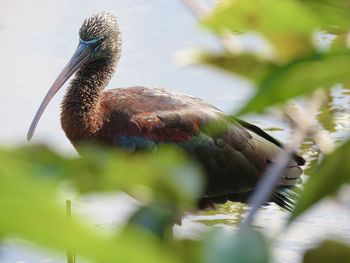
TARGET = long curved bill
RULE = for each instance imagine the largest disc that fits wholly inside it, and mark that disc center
(83, 52)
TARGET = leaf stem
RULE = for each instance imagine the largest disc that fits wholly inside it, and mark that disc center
(70, 255)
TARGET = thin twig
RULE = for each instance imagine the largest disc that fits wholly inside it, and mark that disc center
(304, 122)
(70, 255)
(270, 180)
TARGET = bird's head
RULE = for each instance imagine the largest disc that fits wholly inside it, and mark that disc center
(100, 33)
(99, 42)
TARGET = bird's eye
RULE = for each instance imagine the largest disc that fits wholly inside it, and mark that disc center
(97, 46)
(99, 40)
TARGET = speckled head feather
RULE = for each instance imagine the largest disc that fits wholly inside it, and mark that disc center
(103, 26)
(99, 25)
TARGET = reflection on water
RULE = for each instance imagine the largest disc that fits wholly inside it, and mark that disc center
(37, 39)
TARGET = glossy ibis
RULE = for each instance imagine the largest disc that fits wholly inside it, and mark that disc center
(136, 118)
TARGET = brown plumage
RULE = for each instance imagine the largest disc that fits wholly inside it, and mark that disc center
(138, 118)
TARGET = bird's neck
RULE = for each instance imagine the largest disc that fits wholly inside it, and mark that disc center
(82, 114)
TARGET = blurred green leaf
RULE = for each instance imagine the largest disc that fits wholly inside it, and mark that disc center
(278, 16)
(262, 15)
(326, 180)
(189, 249)
(290, 46)
(300, 77)
(276, 21)
(29, 209)
(245, 246)
(334, 14)
(340, 42)
(166, 172)
(279, 83)
(326, 113)
(250, 66)
(158, 218)
(328, 251)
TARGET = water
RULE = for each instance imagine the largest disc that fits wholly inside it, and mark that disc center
(38, 38)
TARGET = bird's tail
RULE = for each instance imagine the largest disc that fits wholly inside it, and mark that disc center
(285, 197)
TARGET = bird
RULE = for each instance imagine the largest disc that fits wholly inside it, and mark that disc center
(234, 157)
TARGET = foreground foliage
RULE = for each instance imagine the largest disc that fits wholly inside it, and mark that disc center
(30, 186)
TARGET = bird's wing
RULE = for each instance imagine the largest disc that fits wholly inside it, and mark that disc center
(255, 129)
(234, 153)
